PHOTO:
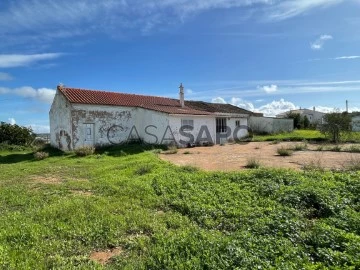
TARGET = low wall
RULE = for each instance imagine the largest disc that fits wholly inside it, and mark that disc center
(355, 123)
(270, 125)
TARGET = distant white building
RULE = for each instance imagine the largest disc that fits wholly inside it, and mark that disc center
(314, 116)
(355, 122)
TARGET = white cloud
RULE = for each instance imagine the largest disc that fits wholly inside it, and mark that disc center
(320, 42)
(271, 109)
(276, 107)
(347, 57)
(351, 57)
(12, 121)
(218, 100)
(269, 88)
(242, 104)
(67, 18)
(290, 8)
(20, 60)
(5, 77)
(45, 95)
(288, 87)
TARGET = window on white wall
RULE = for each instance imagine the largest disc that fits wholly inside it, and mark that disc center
(237, 123)
(188, 124)
(221, 125)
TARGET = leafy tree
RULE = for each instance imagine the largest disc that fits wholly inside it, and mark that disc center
(15, 134)
(306, 122)
(296, 117)
(336, 125)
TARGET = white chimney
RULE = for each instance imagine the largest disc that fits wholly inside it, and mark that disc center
(181, 95)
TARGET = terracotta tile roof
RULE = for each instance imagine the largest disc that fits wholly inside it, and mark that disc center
(161, 104)
(218, 108)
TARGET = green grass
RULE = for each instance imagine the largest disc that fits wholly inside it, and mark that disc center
(300, 135)
(296, 135)
(254, 219)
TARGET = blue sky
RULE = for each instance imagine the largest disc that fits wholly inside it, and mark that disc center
(264, 55)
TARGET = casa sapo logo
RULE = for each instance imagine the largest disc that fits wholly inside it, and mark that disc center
(118, 134)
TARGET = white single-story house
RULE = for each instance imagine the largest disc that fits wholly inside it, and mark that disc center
(80, 117)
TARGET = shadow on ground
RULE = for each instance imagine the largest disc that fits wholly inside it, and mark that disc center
(16, 158)
(128, 149)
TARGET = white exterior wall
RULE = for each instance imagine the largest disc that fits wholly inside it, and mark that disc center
(355, 123)
(239, 133)
(199, 121)
(313, 116)
(270, 125)
(205, 129)
(152, 125)
(60, 119)
(111, 124)
(70, 125)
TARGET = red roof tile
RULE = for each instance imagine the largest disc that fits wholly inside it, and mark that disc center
(161, 104)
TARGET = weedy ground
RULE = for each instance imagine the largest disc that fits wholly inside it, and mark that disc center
(56, 212)
(309, 135)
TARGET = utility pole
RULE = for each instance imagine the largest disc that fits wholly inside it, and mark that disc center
(347, 106)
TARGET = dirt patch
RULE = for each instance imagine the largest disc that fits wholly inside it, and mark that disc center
(103, 257)
(47, 180)
(233, 157)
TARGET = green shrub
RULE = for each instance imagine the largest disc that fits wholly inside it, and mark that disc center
(187, 153)
(39, 143)
(171, 150)
(313, 165)
(253, 163)
(188, 168)
(284, 152)
(354, 149)
(13, 148)
(85, 151)
(143, 169)
(335, 148)
(353, 164)
(300, 147)
(40, 155)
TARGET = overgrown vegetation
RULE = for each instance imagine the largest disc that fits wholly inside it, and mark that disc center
(296, 135)
(253, 163)
(300, 146)
(300, 122)
(171, 149)
(284, 152)
(40, 155)
(336, 125)
(308, 135)
(15, 135)
(54, 213)
(86, 151)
